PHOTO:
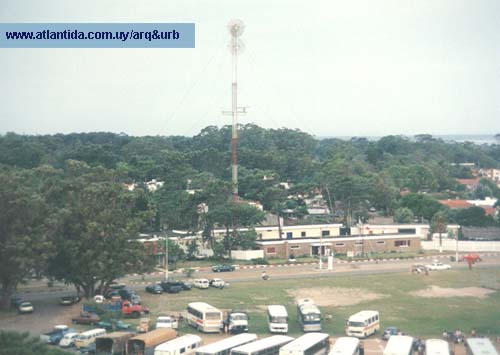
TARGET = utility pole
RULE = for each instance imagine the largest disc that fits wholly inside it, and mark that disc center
(166, 257)
(236, 28)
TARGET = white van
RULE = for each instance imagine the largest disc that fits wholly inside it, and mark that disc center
(185, 345)
(277, 319)
(345, 346)
(363, 324)
(88, 337)
(437, 347)
(399, 345)
(201, 283)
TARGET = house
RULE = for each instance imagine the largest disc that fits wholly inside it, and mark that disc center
(491, 174)
(486, 204)
(470, 184)
(481, 233)
(154, 185)
(456, 204)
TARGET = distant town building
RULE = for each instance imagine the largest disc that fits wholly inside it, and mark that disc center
(470, 184)
(486, 204)
(154, 185)
(491, 174)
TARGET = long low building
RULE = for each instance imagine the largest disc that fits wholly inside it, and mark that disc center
(341, 245)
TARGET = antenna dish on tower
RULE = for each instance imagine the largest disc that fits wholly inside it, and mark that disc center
(236, 27)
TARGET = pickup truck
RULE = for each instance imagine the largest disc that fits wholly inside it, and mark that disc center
(236, 322)
(86, 318)
(55, 335)
(436, 265)
(166, 322)
(126, 308)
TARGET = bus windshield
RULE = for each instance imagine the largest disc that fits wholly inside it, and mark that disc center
(239, 317)
(212, 315)
(278, 320)
(356, 324)
(312, 317)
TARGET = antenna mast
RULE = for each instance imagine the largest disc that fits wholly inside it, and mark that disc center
(236, 28)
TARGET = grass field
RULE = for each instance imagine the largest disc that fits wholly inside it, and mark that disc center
(418, 316)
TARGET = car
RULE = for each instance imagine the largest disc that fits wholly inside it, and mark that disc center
(69, 300)
(121, 325)
(117, 285)
(126, 294)
(88, 350)
(171, 286)
(86, 318)
(155, 289)
(418, 269)
(15, 301)
(437, 265)
(187, 285)
(217, 283)
(135, 299)
(68, 340)
(166, 322)
(473, 257)
(223, 268)
(25, 307)
(390, 331)
(99, 299)
(201, 283)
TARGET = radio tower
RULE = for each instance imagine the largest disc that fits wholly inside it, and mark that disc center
(236, 28)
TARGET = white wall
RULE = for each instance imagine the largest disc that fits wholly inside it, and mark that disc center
(247, 254)
(463, 245)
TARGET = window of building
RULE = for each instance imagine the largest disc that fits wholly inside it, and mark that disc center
(407, 231)
(294, 247)
(325, 233)
(340, 244)
(289, 235)
(358, 242)
(271, 250)
(381, 242)
(402, 243)
(302, 234)
(260, 236)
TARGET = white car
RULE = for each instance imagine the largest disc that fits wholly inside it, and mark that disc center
(201, 283)
(218, 283)
(68, 340)
(99, 299)
(25, 307)
(436, 265)
(166, 322)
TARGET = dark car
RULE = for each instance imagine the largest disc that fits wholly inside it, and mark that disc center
(155, 289)
(86, 318)
(126, 294)
(187, 285)
(171, 286)
(390, 331)
(69, 300)
(88, 350)
(222, 268)
(15, 301)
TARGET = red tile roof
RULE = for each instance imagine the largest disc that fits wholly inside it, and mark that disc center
(469, 181)
(456, 203)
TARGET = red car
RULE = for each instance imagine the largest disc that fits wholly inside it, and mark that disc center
(472, 257)
(86, 318)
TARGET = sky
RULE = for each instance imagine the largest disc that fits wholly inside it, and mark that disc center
(329, 68)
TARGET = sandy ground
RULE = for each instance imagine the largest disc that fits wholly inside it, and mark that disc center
(436, 291)
(335, 296)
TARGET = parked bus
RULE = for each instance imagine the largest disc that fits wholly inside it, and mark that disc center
(204, 317)
(224, 346)
(345, 346)
(363, 324)
(480, 346)
(277, 319)
(399, 345)
(437, 347)
(144, 344)
(308, 344)
(185, 345)
(309, 316)
(112, 344)
(267, 346)
(88, 337)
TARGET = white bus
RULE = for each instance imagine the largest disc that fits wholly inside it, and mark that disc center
(437, 347)
(308, 344)
(309, 316)
(267, 346)
(277, 319)
(185, 345)
(345, 346)
(224, 346)
(399, 345)
(480, 346)
(363, 324)
(204, 317)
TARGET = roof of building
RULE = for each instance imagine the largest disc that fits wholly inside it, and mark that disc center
(474, 181)
(456, 203)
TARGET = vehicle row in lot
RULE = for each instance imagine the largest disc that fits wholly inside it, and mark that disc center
(223, 268)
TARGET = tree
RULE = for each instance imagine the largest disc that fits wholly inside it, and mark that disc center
(473, 217)
(24, 224)
(22, 344)
(421, 205)
(94, 228)
(403, 215)
(439, 225)
(175, 253)
(192, 249)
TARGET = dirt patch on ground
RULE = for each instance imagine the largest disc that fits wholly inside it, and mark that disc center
(335, 296)
(436, 291)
